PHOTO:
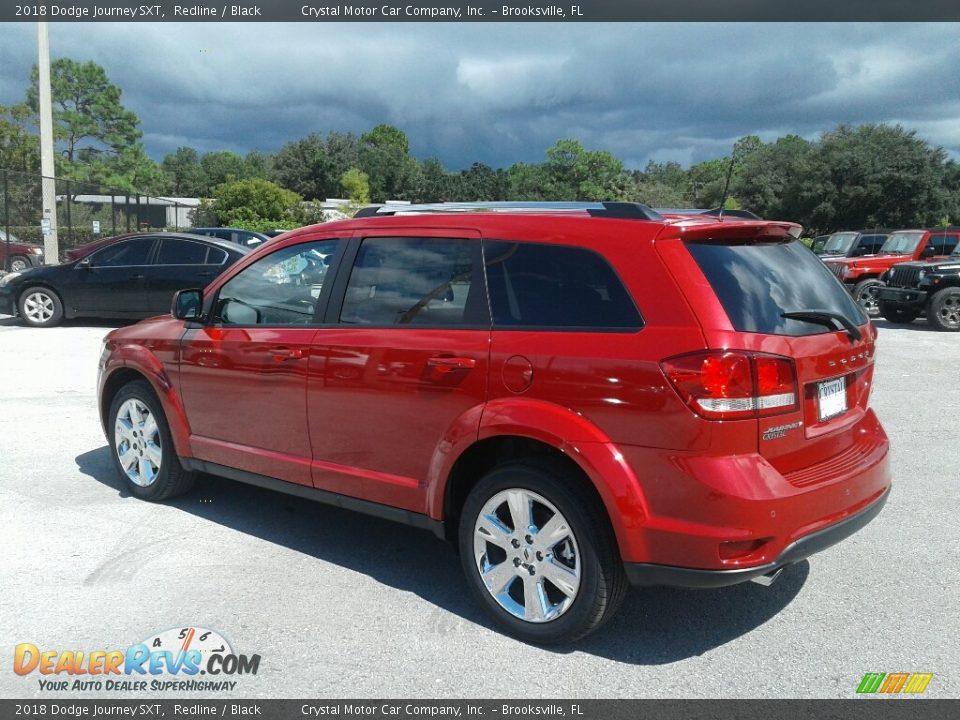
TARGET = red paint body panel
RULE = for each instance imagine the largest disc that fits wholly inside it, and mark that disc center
(383, 414)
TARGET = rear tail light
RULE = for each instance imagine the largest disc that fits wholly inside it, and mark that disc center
(732, 385)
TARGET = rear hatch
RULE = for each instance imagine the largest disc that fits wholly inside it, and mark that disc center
(762, 296)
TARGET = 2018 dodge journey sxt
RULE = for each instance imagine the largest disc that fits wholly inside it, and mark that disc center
(580, 396)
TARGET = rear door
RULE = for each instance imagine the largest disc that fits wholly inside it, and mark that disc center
(181, 264)
(400, 362)
(756, 282)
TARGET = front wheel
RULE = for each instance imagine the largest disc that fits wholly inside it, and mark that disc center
(943, 310)
(142, 447)
(40, 307)
(539, 554)
(897, 314)
(865, 293)
(18, 263)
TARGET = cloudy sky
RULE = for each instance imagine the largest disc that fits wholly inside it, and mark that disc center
(501, 92)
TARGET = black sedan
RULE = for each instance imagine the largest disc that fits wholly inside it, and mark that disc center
(131, 278)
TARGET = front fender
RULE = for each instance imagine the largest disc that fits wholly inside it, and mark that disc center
(140, 360)
(562, 429)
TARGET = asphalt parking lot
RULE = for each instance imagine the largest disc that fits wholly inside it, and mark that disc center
(342, 605)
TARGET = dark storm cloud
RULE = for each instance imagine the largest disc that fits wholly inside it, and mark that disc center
(500, 93)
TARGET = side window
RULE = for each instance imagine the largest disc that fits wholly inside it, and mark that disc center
(416, 281)
(181, 252)
(124, 253)
(279, 289)
(216, 256)
(942, 244)
(555, 286)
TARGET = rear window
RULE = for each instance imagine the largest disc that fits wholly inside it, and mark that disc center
(757, 283)
(540, 286)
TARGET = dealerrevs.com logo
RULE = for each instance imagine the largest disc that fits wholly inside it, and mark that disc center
(173, 660)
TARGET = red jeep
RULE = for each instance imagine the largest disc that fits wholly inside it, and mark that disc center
(578, 396)
(861, 275)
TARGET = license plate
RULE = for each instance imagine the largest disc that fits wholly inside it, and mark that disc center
(832, 398)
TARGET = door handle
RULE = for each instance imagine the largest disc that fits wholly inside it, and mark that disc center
(281, 354)
(452, 363)
(138, 277)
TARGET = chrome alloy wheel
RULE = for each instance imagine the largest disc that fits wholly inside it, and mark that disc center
(136, 438)
(38, 306)
(869, 300)
(527, 555)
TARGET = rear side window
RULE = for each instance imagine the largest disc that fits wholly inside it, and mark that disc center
(416, 281)
(181, 252)
(216, 256)
(536, 285)
(942, 243)
(757, 283)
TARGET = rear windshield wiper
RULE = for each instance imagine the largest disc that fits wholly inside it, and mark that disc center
(833, 320)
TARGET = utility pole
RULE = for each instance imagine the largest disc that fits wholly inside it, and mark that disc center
(51, 247)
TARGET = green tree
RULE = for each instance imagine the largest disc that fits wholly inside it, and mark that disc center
(87, 112)
(384, 156)
(255, 203)
(356, 186)
(874, 175)
(185, 175)
(220, 167)
(772, 178)
(19, 149)
(313, 166)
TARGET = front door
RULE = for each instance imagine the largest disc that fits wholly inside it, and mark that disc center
(113, 281)
(181, 264)
(400, 364)
(243, 375)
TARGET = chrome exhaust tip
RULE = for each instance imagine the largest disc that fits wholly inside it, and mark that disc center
(768, 579)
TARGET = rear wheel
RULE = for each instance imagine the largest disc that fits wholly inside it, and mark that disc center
(896, 313)
(865, 293)
(40, 307)
(539, 553)
(943, 310)
(143, 451)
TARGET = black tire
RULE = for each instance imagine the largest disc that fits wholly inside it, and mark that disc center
(943, 310)
(169, 479)
(865, 293)
(40, 307)
(18, 263)
(603, 582)
(896, 313)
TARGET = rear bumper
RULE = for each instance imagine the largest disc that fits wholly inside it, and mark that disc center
(908, 297)
(804, 547)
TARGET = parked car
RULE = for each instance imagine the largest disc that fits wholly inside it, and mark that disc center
(133, 276)
(917, 288)
(578, 397)
(247, 238)
(862, 275)
(818, 242)
(21, 255)
(853, 243)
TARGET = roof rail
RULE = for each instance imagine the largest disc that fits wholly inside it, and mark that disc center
(623, 210)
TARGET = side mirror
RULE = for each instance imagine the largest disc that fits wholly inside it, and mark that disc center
(85, 263)
(187, 304)
(928, 251)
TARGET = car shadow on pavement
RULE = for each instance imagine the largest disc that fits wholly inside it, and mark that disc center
(655, 625)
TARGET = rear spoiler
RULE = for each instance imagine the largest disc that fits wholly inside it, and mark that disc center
(724, 230)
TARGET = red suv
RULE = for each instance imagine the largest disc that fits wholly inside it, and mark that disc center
(578, 396)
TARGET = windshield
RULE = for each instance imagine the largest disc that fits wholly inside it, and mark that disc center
(839, 243)
(902, 243)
